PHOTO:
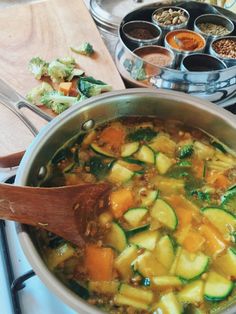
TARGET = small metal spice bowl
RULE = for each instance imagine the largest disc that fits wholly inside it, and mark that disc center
(213, 26)
(224, 48)
(201, 62)
(142, 33)
(169, 18)
(156, 55)
(184, 42)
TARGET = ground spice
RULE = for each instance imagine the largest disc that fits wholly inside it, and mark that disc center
(226, 48)
(213, 29)
(141, 33)
(185, 40)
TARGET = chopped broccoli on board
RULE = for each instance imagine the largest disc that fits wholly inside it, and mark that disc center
(34, 96)
(186, 151)
(67, 61)
(75, 72)
(38, 67)
(59, 71)
(84, 49)
(88, 86)
(57, 101)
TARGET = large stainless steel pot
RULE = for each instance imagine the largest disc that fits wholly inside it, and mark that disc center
(141, 102)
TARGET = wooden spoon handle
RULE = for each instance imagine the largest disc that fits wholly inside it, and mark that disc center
(12, 160)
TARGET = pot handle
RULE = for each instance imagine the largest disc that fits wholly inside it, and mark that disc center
(15, 102)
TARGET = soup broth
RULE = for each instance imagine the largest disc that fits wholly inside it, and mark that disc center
(166, 241)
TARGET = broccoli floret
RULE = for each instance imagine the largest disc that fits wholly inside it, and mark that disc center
(67, 61)
(57, 101)
(88, 86)
(59, 71)
(84, 49)
(186, 151)
(37, 92)
(75, 72)
(38, 67)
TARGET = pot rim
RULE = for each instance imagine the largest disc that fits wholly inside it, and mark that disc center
(36, 261)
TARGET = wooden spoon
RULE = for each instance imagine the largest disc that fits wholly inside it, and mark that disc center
(65, 211)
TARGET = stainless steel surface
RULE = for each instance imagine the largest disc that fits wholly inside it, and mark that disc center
(141, 102)
(216, 86)
(228, 61)
(200, 62)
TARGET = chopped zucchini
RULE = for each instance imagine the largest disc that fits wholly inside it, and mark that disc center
(120, 299)
(148, 266)
(100, 150)
(59, 255)
(229, 201)
(163, 163)
(217, 287)
(119, 174)
(146, 239)
(142, 134)
(166, 281)
(227, 262)
(224, 221)
(176, 260)
(145, 154)
(116, 237)
(203, 151)
(191, 266)
(164, 251)
(163, 212)
(147, 197)
(133, 231)
(104, 287)
(171, 304)
(169, 186)
(192, 292)
(134, 216)
(136, 293)
(186, 151)
(124, 260)
(162, 143)
(78, 288)
(129, 149)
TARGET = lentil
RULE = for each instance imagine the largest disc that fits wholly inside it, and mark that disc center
(170, 17)
(213, 29)
(225, 48)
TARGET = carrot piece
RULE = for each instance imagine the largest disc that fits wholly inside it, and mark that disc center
(99, 263)
(113, 136)
(65, 88)
(120, 201)
(221, 182)
(198, 167)
(193, 241)
(214, 240)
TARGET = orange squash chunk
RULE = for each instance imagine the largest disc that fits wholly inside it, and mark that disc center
(120, 201)
(193, 241)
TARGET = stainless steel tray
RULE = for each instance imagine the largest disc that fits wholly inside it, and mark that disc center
(216, 86)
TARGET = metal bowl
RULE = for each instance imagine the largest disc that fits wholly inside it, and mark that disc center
(227, 60)
(217, 86)
(139, 102)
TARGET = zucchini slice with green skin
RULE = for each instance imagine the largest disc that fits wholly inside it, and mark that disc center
(229, 201)
(217, 287)
(101, 151)
(116, 237)
(170, 304)
(223, 220)
(163, 212)
(145, 154)
(167, 281)
(120, 299)
(191, 266)
(146, 239)
(148, 266)
(163, 163)
(227, 262)
(164, 251)
(119, 174)
(133, 231)
(147, 197)
(129, 149)
(134, 216)
(136, 293)
(124, 260)
(59, 255)
(192, 292)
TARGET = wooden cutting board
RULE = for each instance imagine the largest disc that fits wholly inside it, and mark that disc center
(46, 29)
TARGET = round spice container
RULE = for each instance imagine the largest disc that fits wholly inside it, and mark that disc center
(156, 55)
(225, 49)
(170, 18)
(201, 62)
(142, 33)
(213, 26)
(184, 42)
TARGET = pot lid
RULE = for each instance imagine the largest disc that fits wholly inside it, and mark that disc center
(108, 14)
